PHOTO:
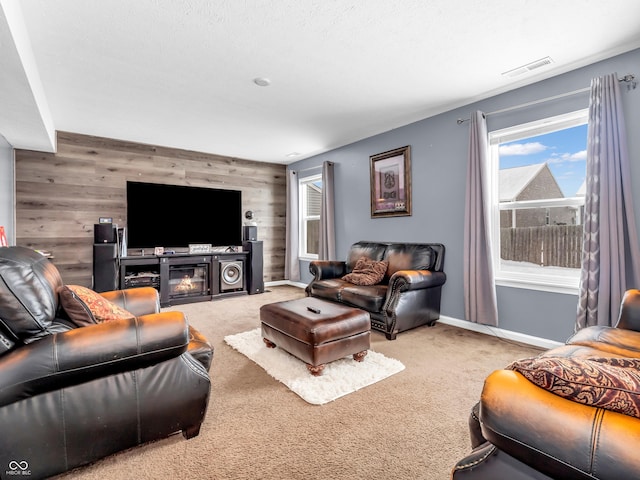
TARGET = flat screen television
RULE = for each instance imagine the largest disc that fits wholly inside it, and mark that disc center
(174, 216)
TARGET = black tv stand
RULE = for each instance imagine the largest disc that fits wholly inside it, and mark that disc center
(186, 278)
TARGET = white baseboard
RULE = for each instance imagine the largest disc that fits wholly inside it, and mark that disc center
(475, 327)
(500, 333)
(285, 282)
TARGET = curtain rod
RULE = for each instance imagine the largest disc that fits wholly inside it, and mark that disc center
(310, 168)
(627, 78)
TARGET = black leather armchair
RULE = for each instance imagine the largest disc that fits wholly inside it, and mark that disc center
(409, 294)
(70, 395)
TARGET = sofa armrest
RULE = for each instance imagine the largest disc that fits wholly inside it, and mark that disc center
(404, 280)
(556, 435)
(86, 353)
(323, 269)
(629, 318)
(139, 301)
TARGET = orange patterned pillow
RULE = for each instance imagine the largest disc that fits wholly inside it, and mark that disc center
(367, 272)
(609, 383)
(86, 307)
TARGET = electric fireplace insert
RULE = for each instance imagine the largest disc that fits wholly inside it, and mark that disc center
(188, 280)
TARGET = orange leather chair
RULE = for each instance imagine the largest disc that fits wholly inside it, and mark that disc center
(523, 429)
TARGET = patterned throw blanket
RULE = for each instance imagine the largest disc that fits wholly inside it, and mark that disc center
(609, 383)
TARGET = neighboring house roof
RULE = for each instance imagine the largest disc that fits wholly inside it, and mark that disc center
(512, 181)
(314, 199)
(582, 191)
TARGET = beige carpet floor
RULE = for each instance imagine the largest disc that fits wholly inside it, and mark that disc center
(412, 425)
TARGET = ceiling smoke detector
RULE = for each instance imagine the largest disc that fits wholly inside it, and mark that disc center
(528, 67)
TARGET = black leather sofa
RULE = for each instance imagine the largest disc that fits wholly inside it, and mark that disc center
(575, 415)
(71, 394)
(408, 295)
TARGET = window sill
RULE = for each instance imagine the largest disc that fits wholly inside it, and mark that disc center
(307, 258)
(540, 285)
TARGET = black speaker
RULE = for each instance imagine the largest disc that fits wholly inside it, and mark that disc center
(255, 280)
(231, 275)
(105, 267)
(104, 233)
(249, 233)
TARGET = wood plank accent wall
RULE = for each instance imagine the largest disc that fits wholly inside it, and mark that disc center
(59, 197)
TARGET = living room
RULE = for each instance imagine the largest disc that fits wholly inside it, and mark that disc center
(88, 182)
(59, 196)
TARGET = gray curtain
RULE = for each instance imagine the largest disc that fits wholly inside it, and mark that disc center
(480, 305)
(327, 246)
(291, 264)
(610, 255)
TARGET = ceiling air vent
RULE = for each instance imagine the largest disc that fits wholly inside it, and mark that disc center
(528, 67)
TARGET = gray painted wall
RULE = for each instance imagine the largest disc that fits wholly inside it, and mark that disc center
(7, 190)
(439, 162)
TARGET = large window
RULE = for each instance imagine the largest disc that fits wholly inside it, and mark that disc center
(310, 191)
(538, 173)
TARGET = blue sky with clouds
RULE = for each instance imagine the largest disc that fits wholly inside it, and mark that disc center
(565, 151)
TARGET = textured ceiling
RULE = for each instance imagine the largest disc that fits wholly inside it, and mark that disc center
(180, 73)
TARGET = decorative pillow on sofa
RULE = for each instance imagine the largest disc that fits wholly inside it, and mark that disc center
(86, 307)
(367, 272)
(609, 383)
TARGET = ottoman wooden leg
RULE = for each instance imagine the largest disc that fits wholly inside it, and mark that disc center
(315, 370)
(269, 343)
(358, 357)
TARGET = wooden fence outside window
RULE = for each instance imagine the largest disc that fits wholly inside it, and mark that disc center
(549, 245)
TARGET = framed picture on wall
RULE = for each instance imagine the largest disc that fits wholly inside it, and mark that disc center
(391, 183)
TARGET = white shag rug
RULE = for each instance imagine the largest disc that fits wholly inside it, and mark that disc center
(338, 378)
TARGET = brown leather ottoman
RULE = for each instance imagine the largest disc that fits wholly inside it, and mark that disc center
(316, 331)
